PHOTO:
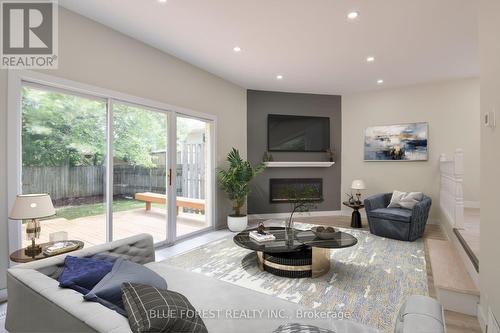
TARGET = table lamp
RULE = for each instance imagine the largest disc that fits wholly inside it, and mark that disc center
(358, 185)
(32, 207)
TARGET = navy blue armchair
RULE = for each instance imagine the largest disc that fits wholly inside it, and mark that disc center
(396, 223)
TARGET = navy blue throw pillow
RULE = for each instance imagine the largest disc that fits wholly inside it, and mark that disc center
(108, 291)
(82, 274)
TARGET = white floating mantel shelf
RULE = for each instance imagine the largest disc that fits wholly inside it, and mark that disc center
(307, 164)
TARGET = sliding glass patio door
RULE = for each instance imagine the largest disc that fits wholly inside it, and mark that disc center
(115, 168)
(146, 173)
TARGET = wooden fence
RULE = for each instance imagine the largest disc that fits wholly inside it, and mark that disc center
(192, 170)
(64, 182)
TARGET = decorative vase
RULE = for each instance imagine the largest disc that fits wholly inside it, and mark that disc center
(237, 223)
(289, 235)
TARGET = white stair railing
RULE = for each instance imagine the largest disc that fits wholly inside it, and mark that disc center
(451, 192)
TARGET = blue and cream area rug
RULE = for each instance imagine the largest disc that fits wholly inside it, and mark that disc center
(370, 280)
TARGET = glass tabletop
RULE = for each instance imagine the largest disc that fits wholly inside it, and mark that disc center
(301, 239)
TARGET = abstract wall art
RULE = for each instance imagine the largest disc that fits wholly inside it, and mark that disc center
(403, 142)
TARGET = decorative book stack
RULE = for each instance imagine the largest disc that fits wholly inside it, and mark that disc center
(261, 237)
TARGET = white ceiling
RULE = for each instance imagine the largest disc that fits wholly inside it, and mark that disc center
(310, 42)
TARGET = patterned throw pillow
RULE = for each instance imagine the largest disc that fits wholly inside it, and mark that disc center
(152, 309)
(299, 328)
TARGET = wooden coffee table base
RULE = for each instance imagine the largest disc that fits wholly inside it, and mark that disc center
(313, 262)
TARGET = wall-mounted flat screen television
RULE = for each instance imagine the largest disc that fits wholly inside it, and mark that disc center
(298, 133)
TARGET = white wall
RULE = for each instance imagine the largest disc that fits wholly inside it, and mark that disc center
(94, 54)
(489, 273)
(4, 236)
(452, 110)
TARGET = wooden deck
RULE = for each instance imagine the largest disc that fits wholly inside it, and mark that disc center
(92, 229)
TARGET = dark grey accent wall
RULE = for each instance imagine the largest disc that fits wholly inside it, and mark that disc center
(262, 103)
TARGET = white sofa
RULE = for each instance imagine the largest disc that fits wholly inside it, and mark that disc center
(36, 303)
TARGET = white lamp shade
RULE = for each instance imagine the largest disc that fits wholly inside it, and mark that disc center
(358, 184)
(32, 206)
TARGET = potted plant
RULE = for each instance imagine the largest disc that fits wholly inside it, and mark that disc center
(300, 200)
(234, 181)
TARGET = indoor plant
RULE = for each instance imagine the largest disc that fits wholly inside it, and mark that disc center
(301, 200)
(234, 181)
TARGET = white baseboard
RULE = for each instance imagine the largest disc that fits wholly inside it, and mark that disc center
(433, 221)
(472, 204)
(304, 214)
(481, 317)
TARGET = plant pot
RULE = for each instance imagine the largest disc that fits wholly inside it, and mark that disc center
(237, 223)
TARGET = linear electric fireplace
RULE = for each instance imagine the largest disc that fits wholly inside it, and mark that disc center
(280, 188)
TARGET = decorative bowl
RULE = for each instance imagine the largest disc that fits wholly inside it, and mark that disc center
(323, 232)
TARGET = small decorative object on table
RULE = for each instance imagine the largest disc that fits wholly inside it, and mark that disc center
(358, 185)
(261, 234)
(261, 237)
(32, 207)
(350, 198)
(323, 233)
(261, 229)
(61, 247)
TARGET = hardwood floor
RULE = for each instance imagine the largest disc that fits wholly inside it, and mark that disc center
(455, 322)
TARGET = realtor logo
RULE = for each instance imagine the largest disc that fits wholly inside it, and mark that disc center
(29, 34)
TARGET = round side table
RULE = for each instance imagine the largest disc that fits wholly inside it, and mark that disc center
(356, 216)
(21, 257)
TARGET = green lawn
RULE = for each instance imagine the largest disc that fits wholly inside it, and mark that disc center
(74, 212)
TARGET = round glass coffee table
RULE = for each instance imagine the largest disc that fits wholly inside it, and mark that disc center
(295, 253)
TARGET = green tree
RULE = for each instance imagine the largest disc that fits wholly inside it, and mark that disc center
(63, 129)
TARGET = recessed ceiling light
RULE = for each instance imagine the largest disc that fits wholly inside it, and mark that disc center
(162, 1)
(380, 81)
(352, 15)
(279, 77)
(370, 59)
(237, 49)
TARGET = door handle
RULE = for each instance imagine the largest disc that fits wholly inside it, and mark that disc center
(169, 177)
